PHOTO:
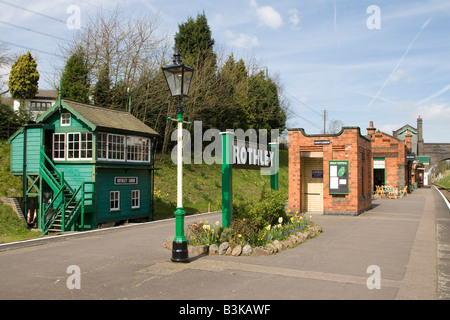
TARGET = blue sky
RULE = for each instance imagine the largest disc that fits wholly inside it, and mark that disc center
(382, 61)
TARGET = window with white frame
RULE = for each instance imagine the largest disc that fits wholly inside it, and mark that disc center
(59, 146)
(79, 145)
(135, 199)
(113, 147)
(85, 145)
(116, 147)
(114, 200)
(65, 119)
(102, 149)
(138, 149)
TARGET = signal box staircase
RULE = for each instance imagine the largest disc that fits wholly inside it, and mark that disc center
(67, 205)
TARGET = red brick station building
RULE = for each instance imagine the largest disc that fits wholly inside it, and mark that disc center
(337, 173)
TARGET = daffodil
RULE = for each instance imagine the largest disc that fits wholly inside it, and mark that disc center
(268, 227)
(217, 223)
(280, 220)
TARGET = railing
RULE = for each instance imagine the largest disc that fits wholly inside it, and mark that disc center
(86, 200)
(59, 205)
(57, 209)
(46, 173)
(68, 218)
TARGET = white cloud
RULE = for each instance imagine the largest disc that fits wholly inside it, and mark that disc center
(293, 18)
(267, 16)
(388, 128)
(435, 111)
(242, 40)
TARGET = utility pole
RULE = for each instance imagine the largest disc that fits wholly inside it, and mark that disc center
(324, 121)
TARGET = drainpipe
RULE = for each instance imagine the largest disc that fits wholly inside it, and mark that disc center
(24, 172)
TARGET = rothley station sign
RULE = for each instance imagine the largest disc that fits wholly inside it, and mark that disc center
(247, 156)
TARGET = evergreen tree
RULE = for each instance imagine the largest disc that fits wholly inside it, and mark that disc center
(102, 90)
(74, 80)
(264, 110)
(195, 43)
(232, 83)
(24, 78)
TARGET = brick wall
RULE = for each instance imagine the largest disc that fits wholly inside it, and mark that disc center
(348, 145)
(394, 152)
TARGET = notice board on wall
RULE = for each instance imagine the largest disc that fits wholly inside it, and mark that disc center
(338, 183)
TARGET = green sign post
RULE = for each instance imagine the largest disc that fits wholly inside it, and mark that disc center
(227, 175)
(227, 178)
(274, 176)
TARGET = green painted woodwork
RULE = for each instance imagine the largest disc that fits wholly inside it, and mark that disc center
(16, 159)
(227, 176)
(105, 184)
(274, 175)
(33, 144)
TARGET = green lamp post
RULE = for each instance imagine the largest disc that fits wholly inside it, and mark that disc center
(178, 77)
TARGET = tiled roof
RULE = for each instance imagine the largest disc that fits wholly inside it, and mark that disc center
(100, 119)
(105, 118)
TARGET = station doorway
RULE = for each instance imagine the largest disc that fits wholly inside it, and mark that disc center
(378, 177)
(312, 186)
(379, 172)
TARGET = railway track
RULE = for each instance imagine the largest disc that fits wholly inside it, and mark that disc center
(444, 191)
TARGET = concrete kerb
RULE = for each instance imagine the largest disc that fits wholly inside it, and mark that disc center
(71, 235)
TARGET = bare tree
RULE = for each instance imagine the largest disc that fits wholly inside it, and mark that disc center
(129, 47)
(335, 126)
(6, 60)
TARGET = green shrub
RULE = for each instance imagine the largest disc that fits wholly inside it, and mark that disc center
(244, 233)
(263, 211)
(226, 235)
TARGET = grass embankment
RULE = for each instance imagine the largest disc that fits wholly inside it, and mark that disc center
(10, 186)
(445, 180)
(11, 227)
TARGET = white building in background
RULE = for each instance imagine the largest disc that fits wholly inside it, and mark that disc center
(42, 101)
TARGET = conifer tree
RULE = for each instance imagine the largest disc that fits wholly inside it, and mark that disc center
(195, 43)
(102, 90)
(74, 80)
(23, 79)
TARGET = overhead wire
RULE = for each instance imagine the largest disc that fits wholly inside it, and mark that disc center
(328, 119)
(34, 31)
(32, 11)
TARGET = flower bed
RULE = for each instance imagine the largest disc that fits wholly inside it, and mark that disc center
(244, 237)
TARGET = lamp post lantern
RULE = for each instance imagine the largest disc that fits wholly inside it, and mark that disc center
(178, 77)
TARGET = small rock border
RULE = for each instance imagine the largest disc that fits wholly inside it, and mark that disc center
(276, 246)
